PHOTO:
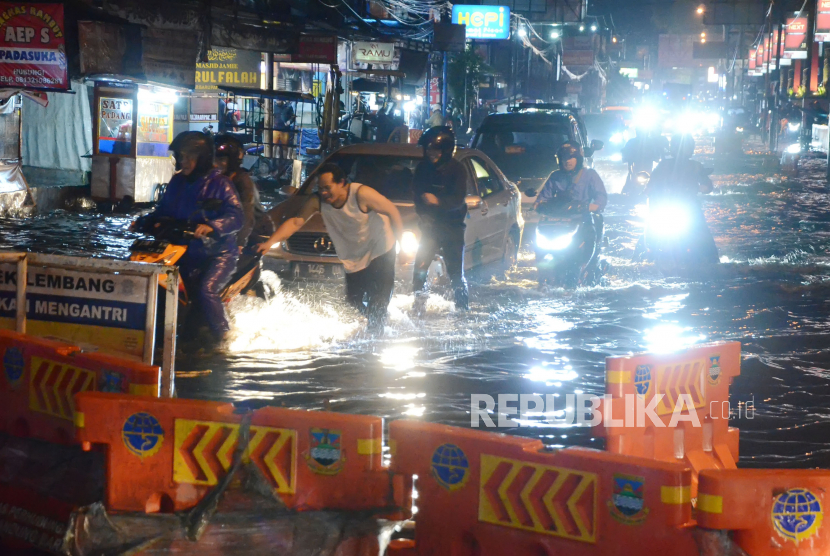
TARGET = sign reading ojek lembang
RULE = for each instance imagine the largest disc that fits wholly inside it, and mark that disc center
(105, 310)
(483, 22)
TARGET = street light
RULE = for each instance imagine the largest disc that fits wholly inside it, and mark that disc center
(522, 32)
(700, 9)
(703, 35)
(613, 39)
(702, 41)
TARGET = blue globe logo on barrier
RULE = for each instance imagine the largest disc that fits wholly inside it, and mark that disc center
(142, 434)
(450, 466)
(797, 514)
(642, 379)
(14, 364)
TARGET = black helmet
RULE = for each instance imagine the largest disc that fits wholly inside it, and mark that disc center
(682, 146)
(440, 137)
(231, 148)
(566, 152)
(196, 144)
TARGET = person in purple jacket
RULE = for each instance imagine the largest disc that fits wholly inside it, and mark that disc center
(574, 182)
(198, 193)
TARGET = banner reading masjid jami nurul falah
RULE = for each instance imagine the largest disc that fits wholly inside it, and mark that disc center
(823, 21)
(795, 39)
(32, 46)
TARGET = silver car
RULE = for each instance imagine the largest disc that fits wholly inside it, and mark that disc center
(494, 219)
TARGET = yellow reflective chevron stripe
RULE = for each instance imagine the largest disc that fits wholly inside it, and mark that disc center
(676, 494)
(709, 503)
(145, 390)
(79, 420)
(617, 377)
(369, 446)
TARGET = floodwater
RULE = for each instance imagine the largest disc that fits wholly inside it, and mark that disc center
(302, 349)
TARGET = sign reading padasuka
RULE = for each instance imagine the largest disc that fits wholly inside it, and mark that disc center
(32, 46)
(229, 67)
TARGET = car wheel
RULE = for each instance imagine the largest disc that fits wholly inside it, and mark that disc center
(511, 253)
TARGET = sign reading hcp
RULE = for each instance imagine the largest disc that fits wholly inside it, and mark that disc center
(483, 22)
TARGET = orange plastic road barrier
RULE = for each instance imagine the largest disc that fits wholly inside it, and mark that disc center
(702, 375)
(40, 378)
(770, 511)
(167, 454)
(481, 493)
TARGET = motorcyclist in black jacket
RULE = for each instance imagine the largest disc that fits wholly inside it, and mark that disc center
(440, 188)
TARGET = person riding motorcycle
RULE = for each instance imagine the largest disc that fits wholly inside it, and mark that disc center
(641, 153)
(257, 223)
(672, 199)
(678, 173)
(198, 193)
(579, 184)
(440, 188)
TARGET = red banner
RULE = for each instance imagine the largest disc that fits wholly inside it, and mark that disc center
(823, 21)
(32, 49)
(795, 39)
(752, 63)
(760, 66)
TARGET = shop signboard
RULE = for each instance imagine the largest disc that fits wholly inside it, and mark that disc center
(483, 22)
(578, 58)
(795, 39)
(374, 52)
(823, 21)
(32, 46)
(313, 49)
(228, 67)
(115, 125)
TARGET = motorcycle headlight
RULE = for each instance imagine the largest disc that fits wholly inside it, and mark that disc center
(616, 157)
(794, 126)
(669, 220)
(617, 138)
(794, 148)
(408, 243)
(739, 129)
(555, 243)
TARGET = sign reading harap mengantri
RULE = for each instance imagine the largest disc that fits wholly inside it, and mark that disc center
(101, 309)
(32, 46)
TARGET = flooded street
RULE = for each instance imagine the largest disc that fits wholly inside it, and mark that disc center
(303, 350)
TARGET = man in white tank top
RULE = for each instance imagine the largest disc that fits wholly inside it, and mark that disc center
(364, 226)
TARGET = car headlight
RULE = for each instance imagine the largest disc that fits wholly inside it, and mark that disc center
(794, 126)
(794, 148)
(553, 244)
(669, 220)
(408, 244)
(617, 138)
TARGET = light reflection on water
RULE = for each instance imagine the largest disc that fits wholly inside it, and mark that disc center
(303, 349)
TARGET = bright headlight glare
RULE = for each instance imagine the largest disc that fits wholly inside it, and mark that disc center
(739, 129)
(617, 138)
(616, 157)
(553, 244)
(669, 220)
(794, 126)
(794, 148)
(409, 243)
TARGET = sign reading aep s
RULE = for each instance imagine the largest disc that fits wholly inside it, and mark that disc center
(483, 22)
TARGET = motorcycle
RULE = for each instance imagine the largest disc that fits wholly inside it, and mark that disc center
(567, 254)
(169, 244)
(676, 232)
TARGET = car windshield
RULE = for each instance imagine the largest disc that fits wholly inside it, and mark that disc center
(526, 153)
(391, 176)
